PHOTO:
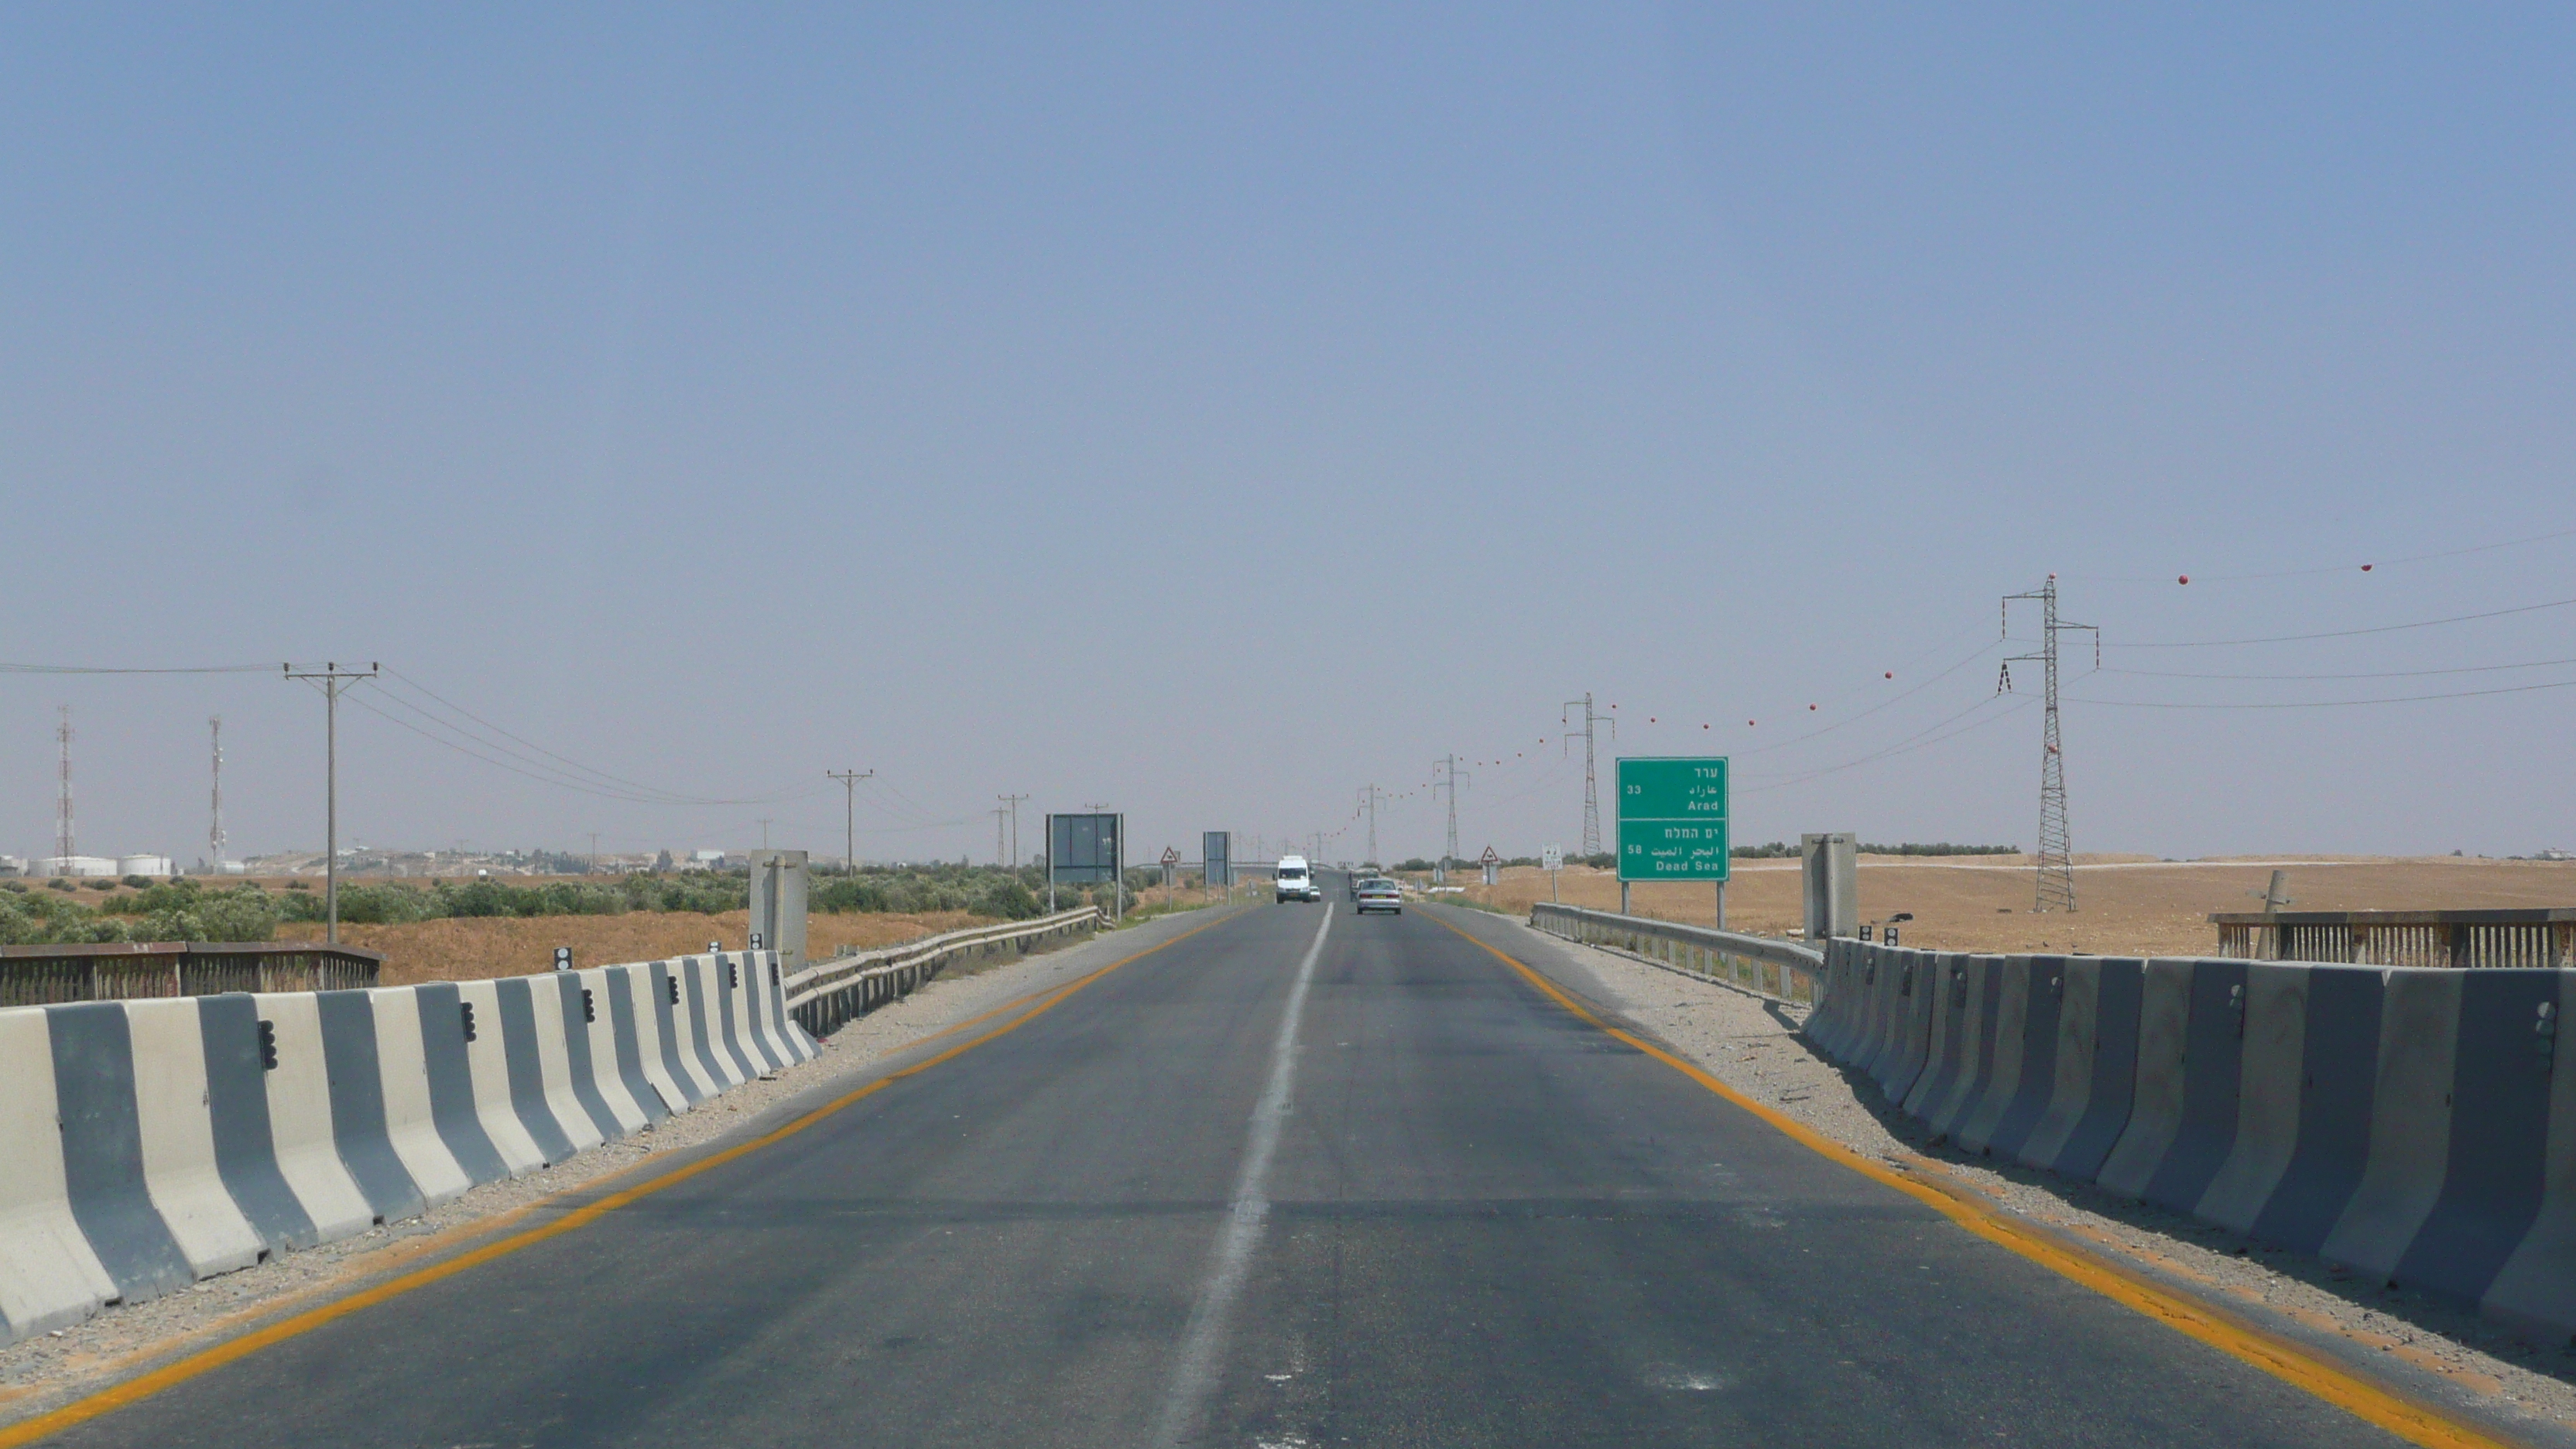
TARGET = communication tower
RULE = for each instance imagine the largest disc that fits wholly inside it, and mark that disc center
(215, 831)
(65, 842)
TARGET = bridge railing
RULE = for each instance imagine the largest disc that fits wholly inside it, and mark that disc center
(131, 970)
(827, 994)
(1783, 970)
(2526, 937)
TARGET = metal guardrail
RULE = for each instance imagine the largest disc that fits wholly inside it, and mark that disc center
(125, 970)
(827, 994)
(2526, 937)
(1782, 970)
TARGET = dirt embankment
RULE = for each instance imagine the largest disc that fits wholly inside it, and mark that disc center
(2126, 905)
(474, 948)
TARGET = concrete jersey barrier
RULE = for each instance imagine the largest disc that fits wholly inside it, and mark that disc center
(2410, 1123)
(152, 1143)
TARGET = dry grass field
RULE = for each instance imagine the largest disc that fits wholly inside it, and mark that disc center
(473, 948)
(2127, 905)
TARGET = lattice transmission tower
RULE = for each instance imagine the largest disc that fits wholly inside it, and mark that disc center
(2056, 845)
(1451, 778)
(1591, 779)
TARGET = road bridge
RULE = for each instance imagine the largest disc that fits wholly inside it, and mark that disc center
(1273, 1175)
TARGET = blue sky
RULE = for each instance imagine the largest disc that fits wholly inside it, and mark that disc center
(1212, 411)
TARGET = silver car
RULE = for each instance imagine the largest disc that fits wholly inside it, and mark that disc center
(1380, 894)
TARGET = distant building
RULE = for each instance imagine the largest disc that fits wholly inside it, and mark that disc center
(13, 865)
(2555, 854)
(156, 865)
(53, 865)
(711, 859)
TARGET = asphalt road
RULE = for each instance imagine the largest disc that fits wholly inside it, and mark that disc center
(1449, 1213)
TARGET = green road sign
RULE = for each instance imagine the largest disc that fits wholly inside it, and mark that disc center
(1672, 819)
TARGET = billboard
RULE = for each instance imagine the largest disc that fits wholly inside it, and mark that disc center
(1083, 849)
(1216, 850)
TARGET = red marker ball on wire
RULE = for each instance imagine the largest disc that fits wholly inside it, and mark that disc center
(2186, 578)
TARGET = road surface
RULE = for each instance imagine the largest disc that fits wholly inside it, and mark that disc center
(1294, 1178)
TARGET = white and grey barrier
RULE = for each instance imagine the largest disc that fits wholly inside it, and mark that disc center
(2407, 1123)
(826, 995)
(151, 1143)
(1783, 970)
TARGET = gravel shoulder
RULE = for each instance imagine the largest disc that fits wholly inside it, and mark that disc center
(2432, 1350)
(49, 1370)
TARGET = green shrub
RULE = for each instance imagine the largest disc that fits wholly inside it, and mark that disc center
(1008, 900)
(245, 913)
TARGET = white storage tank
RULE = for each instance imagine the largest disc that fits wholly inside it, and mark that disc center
(143, 865)
(74, 865)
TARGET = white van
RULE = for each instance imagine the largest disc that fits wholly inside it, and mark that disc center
(1296, 882)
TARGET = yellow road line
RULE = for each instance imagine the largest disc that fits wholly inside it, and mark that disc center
(395, 1254)
(133, 1391)
(2408, 1418)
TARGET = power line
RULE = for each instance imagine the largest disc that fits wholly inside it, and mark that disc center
(2370, 674)
(2349, 633)
(587, 781)
(1905, 746)
(557, 780)
(1899, 697)
(89, 669)
(2342, 568)
(670, 796)
(2335, 703)
(920, 815)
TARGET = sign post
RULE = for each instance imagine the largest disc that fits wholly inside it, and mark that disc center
(1552, 859)
(1673, 823)
(1491, 862)
(1171, 862)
